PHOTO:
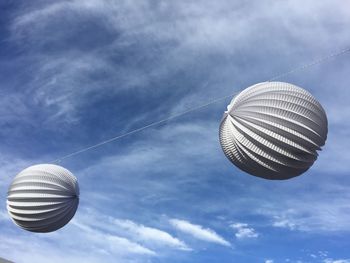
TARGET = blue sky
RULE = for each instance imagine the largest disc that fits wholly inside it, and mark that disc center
(74, 73)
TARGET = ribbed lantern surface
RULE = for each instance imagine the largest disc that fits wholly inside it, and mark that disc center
(43, 198)
(273, 130)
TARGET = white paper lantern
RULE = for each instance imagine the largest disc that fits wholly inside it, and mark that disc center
(273, 130)
(43, 198)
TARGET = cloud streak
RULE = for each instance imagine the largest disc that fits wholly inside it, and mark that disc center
(149, 234)
(114, 244)
(199, 232)
(329, 260)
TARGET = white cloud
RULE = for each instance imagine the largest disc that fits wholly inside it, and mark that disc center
(269, 261)
(320, 215)
(153, 238)
(50, 10)
(311, 212)
(243, 231)
(74, 239)
(113, 243)
(323, 254)
(149, 234)
(39, 250)
(283, 222)
(329, 260)
(199, 232)
(191, 25)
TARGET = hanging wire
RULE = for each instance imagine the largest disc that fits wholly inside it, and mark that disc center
(142, 128)
(152, 124)
(312, 63)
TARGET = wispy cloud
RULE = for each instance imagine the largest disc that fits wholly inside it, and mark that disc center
(284, 222)
(329, 260)
(313, 215)
(243, 231)
(114, 244)
(149, 234)
(94, 243)
(199, 232)
(182, 34)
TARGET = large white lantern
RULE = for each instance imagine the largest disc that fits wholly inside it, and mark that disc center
(43, 198)
(273, 130)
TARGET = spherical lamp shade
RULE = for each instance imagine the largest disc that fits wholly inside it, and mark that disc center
(273, 130)
(43, 198)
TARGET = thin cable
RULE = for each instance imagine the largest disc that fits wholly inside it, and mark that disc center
(311, 64)
(298, 68)
(141, 128)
